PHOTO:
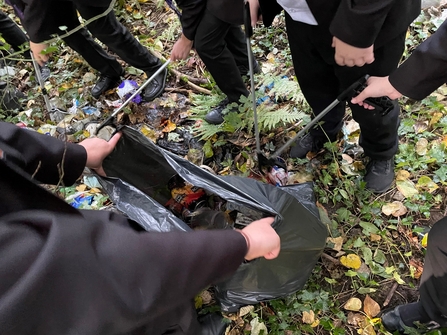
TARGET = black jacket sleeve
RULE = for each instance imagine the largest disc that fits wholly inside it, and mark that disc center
(426, 69)
(62, 274)
(192, 11)
(48, 159)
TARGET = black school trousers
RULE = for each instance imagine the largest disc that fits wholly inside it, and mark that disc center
(106, 29)
(222, 47)
(322, 80)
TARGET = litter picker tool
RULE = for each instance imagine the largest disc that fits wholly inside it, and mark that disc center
(110, 118)
(50, 108)
(383, 104)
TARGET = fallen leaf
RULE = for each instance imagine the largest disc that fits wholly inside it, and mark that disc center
(170, 126)
(375, 237)
(435, 117)
(206, 297)
(370, 307)
(308, 317)
(355, 319)
(402, 175)
(351, 261)
(407, 188)
(81, 188)
(426, 183)
(396, 208)
(245, 310)
(353, 304)
(337, 241)
(368, 330)
(421, 147)
(257, 326)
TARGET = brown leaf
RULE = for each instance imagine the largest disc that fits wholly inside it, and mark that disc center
(355, 319)
(370, 307)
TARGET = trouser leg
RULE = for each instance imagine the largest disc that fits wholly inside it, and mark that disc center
(433, 287)
(109, 31)
(237, 44)
(11, 32)
(81, 41)
(213, 50)
(322, 80)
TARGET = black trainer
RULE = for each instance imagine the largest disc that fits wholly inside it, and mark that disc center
(305, 144)
(215, 116)
(104, 84)
(245, 71)
(392, 321)
(156, 86)
(379, 175)
(404, 316)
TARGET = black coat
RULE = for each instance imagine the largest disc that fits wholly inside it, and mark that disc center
(426, 69)
(69, 271)
(359, 23)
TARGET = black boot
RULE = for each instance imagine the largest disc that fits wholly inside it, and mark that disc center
(156, 86)
(215, 116)
(404, 316)
(104, 84)
(305, 144)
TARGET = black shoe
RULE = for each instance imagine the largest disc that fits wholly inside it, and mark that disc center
(305, 144)
(215, 116)
(245, 71)
(379, 175)
(103, 85)
(156, 86)
(212, 324)
(392, 321)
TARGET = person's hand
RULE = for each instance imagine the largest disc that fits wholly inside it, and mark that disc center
(376, 87)
(98, 149)
(181, 48)
(36, 49)
(254, 10)
(262, 239)
(347, 55)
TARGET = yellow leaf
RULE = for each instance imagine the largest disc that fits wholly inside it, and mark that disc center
(369, 330)
(81, 188)
(424, 240)
(170, 126)
(308, 317)
(351, 261)
(353, 304)
(425, 182)
(95, 190)
(435, 117)
(407, 188)
(316, 323)
(198, 301)
(375, 237)
(402, 175)
(370, 307)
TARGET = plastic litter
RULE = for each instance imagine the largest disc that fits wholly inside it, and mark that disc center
(126, 89)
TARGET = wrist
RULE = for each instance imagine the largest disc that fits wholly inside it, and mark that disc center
(247, 241)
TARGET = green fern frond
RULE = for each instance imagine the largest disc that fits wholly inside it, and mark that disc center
(283, 116)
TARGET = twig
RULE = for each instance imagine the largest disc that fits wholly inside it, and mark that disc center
(199, 89)
(178, 90)
(330, 258)
(199, 81)
(390, 294)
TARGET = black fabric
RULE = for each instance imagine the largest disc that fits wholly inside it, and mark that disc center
(426, 69)
(222, 47)
(42, 20)
(413, 312)
(11, 32)
(322, 80)
(359, 23)
(433, 287)
(66, 271)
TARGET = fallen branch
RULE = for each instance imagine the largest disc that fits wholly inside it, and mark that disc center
(199, 89)
(330, 258)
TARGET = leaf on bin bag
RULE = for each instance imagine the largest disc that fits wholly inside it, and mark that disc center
(421, 146)
(198, 302)
(370, 307)
(353, 304)
(351, 261)
(425, 182)
(245, 310)
(396, 208)
(258, 328)
(308, 317)
(407, 188)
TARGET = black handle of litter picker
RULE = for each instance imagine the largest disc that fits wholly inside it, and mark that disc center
(383, 104)
(247, 20)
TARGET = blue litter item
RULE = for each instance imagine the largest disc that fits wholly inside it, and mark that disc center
(82, 199)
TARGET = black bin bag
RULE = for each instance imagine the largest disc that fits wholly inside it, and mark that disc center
(138, 173)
